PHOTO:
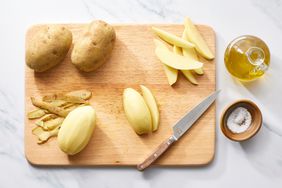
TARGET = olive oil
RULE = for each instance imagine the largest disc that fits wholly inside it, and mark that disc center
(247, 58)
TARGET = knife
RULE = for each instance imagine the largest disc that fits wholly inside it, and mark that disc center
(182, 126)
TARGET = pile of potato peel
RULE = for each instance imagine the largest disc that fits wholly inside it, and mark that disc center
(52, 110)
(184, 56)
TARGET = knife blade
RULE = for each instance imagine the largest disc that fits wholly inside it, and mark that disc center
(182, 126)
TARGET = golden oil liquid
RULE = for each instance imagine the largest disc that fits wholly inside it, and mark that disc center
(247, 58)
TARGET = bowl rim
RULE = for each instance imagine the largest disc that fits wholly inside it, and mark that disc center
(225, 129)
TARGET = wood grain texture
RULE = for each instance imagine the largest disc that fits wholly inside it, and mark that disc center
(157, 153)
(114, 143)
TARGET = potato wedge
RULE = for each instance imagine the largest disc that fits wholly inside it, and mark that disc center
(47, 106)
(186, 73)
(196, 38)
(172, 39)
(152, 105)
(191, 53)
(170, 72)
(176, 61)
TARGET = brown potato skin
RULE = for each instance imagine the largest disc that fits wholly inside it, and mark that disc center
(94, 47)
(47, 47)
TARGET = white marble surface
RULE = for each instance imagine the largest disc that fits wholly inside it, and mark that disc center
(256, 163)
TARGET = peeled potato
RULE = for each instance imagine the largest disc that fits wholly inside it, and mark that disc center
(191, 53)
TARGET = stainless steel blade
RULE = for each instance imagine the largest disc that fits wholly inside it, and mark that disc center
(189, 119)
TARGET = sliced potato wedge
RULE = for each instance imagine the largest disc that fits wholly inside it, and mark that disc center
(47, 106)
(152, 105)
(170, 72)
(172, 39)
(196, 38)
(191, 53)
(176, 61)
(187, 73)
(58, 103)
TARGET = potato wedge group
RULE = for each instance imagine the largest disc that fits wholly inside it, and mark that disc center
(184, 56)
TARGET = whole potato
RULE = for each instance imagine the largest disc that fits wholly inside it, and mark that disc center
(47, 47)
(94, 47)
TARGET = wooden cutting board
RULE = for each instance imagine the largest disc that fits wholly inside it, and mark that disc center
(132, 63)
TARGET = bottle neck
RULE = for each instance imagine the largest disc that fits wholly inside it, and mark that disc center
(256, 57)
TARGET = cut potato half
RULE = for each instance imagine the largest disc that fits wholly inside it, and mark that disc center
(196, 38)
(152, 105)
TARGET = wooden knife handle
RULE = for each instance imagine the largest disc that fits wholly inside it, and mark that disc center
(156, 154)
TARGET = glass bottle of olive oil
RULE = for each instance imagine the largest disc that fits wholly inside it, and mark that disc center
(247, 58)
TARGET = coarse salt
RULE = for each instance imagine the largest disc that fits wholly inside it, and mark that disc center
(239, 120)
